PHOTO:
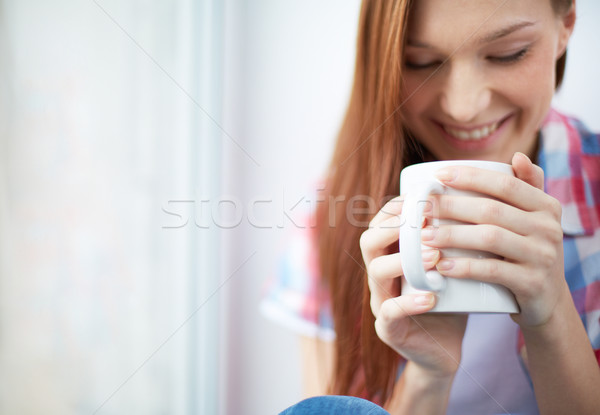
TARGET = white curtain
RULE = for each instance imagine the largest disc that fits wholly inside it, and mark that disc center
(100, 118)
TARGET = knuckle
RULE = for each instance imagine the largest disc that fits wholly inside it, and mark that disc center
(380, 330)
(393, 206)
(468, 268)
(373, 268)
(385, 314)
(535, 284)
(493, 270)
(550, 230)
(383, 331)
(374, 306)
(468, 176)
(546, 256)
(555, 233)
(443, 235)
(508, 184)
(490, 210)
(555, 208)
(491, 237)
(446, 205)
(364, 240)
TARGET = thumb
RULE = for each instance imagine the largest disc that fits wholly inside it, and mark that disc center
(527, 171)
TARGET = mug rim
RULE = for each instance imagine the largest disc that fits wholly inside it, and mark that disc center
(432, 166)
(459, 162)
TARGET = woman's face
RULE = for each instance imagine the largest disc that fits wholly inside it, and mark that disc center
(480, 74)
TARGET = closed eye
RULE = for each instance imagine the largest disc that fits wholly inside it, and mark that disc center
(417, 66)
(514, 57)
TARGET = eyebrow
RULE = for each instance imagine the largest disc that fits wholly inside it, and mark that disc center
(506, 31)
(498, 34)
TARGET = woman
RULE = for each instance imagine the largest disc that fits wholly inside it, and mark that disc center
(439, 80)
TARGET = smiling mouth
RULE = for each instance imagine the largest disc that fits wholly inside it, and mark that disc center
(473, 134)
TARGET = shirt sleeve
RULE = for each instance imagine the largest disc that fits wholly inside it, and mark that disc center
(295, 296)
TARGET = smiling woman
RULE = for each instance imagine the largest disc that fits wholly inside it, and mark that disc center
(439, 80)
(497, 80)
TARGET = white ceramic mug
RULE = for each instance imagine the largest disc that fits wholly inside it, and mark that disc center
(417, 183)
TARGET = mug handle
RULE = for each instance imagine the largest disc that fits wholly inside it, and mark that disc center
(410, 239)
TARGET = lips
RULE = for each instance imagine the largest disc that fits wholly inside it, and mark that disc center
(471, 138)
(473, 134)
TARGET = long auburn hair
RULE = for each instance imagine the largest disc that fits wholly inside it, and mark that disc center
(371, 150)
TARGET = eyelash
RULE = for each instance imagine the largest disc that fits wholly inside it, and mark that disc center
(515, 57)
(417, 67)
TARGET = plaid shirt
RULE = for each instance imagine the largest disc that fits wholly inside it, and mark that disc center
(570, 157)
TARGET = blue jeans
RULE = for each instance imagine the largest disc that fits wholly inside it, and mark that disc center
(335, 405)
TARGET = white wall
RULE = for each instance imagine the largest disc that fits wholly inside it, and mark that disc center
(581, 88)
(290, 67)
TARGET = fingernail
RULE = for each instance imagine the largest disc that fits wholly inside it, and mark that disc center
(427, 233)
(446, 174)
(445, 264)
(429, 255)
(425, 299)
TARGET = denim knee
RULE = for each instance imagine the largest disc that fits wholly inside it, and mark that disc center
(334, 405)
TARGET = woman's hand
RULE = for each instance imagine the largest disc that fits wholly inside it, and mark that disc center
(431, 342)
(522, 225)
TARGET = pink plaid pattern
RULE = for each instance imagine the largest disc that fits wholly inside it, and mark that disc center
(295, 296)
(570, 157)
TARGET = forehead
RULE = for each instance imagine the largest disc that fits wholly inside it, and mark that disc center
(442, 22)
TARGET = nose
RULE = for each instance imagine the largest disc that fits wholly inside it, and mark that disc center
(465, 93)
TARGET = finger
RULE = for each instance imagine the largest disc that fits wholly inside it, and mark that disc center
(392, 318)
(488, 270)
(397, 308)
(501, 186)
(375, 240)
(390, 266)
(381, 274)
(384, 270)
(390, 209)
(527, 171)
(487, 238)
(483, 211)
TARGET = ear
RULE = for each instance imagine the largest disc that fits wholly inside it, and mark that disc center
(566, 26)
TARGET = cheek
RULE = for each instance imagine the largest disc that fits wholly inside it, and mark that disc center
(417, 97)
(531, 87)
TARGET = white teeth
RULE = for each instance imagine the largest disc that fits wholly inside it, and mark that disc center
(476, 134)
